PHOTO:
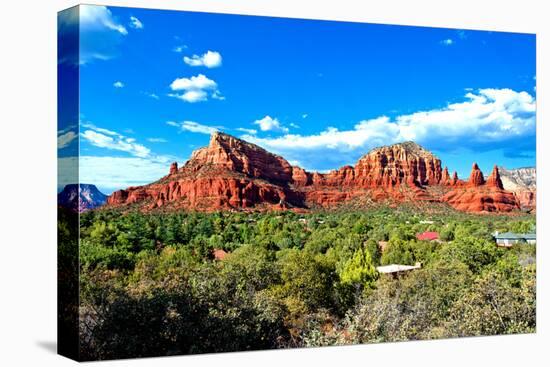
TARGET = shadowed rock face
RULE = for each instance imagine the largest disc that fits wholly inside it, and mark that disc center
(233, 174)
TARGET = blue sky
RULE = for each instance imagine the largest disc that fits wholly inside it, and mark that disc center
(154, 85)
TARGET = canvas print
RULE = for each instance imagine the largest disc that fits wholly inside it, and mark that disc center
(236, 183)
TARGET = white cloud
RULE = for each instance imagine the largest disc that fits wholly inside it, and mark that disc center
(248, 131)
(152, 95)
(270, 124)
(195, 89)
(210, 59)
(194, 127)
(118, 84)
(447, 42)
(217, 95)
(113, 173)
(100, 34)
(135, 23)
(305, 115)
(198, 82)
(157, 140)
(487, 119)
(64, 140)
(179, 49)
(103, 138)
(191, 96)
(95, 16)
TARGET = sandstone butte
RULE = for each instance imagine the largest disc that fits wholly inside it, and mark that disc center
(232, 174)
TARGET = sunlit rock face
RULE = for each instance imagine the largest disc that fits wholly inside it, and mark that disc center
(232, 174)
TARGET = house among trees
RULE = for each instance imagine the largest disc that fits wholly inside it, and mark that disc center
(427, 236)
(219, 254)
(396, 270)
(507, 239)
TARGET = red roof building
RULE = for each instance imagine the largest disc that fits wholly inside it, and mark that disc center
(219, 254)
(427, 236)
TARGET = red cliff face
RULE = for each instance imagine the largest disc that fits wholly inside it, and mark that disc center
(480, 196)
(233, 174)
(232, 154)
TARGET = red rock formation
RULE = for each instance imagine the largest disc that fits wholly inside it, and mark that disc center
(476, 177)
(494, 179)
(480, 196)
(445, 178)
(232, 174)
(480, 200)
(174, 168)
(454, 180)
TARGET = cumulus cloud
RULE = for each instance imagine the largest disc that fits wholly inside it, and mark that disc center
(270, 124)
(487, 119)
(195, 89)
(194, 127)
(135, 23)
(210, 59)
(118, 84)
(104, 138)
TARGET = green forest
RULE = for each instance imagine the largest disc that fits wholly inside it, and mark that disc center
(152, 284)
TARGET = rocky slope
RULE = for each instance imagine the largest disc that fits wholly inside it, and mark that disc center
(523, 183)
(233, 174)
(81, 197)
(480, 195)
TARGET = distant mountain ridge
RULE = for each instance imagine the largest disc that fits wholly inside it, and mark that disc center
(232, 174)
(523, 183)
(81, 197)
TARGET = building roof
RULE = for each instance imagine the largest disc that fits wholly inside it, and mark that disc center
(427, 236)
(515, 236)
(219, 254)
(395, 268)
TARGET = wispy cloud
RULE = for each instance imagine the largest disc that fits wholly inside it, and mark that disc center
(118, 84)
(194, 127)
(65, 139)
(195, 89)
(100, 33)
(487, 119)
(210, 59)
(270, 124)
(157, 140)
(447, 42)
(108, 139)
(135, 23)
(248, 131)
(111, 173)
(152, 95)
(179, 49)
